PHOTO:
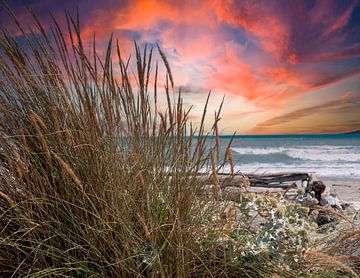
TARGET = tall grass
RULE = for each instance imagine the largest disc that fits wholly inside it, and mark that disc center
(97, 179)
(100, 182)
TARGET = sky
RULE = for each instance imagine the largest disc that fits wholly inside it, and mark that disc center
(284, 67)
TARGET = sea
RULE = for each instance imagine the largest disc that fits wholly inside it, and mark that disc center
(335, 156)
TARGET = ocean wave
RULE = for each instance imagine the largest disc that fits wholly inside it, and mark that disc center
(313, 153)
(334, 170)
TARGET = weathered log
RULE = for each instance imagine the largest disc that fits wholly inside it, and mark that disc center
(237, 180)
(273, 185)
(277, 178)
(270, 181)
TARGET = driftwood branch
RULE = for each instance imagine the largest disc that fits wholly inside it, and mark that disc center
(283, 180)
(277, 180)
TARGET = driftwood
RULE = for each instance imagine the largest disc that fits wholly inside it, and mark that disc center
(326, 207)
(283, 180)
(277, 180)
(233, 186)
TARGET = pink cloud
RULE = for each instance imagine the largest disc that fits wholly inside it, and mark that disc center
(341, 21)
(264, 25)
(205, 54)
(267, 52)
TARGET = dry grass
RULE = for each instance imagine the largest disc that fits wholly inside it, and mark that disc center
(100, 182)
(322, 261)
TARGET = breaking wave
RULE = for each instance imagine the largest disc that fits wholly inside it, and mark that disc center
(313, 153)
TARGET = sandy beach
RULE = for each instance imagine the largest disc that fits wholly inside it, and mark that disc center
(163, 138)
(347, 190)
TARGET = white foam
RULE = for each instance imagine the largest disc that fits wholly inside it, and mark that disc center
(312, 153)
(259, 151)
(333, 170)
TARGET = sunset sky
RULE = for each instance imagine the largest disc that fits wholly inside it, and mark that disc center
(283, 66)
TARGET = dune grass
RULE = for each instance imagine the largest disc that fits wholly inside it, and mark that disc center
(98, 180)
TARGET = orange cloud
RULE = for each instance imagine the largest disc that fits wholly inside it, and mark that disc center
(204, 54)
(263, 54)
(303, 119)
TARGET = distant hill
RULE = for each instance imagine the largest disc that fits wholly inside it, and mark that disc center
(352, 132)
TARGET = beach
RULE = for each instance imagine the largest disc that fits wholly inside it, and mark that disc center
(347, 190)
(332, 158)
(110, 168)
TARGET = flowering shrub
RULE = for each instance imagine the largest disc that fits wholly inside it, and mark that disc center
(264, 228)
